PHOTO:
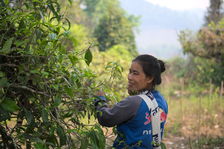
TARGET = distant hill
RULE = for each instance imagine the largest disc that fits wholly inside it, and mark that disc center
(160, 26)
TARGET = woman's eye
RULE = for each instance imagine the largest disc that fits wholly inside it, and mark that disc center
(135, 73)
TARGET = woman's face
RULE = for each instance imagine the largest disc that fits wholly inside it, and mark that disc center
(137, 80)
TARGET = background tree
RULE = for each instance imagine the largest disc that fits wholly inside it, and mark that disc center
(206, 46)
(214, 12)
(116, 28)
(106, 21)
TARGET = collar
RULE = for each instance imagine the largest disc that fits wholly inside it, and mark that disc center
(148, 93)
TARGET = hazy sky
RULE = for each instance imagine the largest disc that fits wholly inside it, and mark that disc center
(158, 32)
(181, 4)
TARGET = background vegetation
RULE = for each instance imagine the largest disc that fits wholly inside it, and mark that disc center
(54, 56)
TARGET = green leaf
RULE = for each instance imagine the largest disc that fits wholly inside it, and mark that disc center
(34, 71)
(61, 135)
(21, 43)
(57, 101)
(44, 115)
(52, 8)
(40, 145)
(3, 82)
(88, 57)
(68, 114)
(70, 2)
(3, 4)
(9, 105)
(52, 139)
(29, 117)
(78, 83)
(69, 91)
(52, 36)
(84, 144)
(73, 59)
(1, 74)
(163, 146)
(7, 46)
(3, 114)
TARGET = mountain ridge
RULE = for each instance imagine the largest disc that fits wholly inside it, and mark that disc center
(159, 27)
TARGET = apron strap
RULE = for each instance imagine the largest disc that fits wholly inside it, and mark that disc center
(155, 116)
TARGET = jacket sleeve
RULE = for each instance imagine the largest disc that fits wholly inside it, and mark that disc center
(119, 113)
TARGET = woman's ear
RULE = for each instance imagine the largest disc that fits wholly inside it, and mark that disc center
(149, 80)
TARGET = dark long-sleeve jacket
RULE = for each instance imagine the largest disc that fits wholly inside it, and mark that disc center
(133, 121)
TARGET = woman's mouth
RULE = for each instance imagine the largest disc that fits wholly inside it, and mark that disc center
(130, 84)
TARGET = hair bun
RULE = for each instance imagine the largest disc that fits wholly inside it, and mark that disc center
(162, 66)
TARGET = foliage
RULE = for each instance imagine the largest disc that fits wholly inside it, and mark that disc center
(207, 48)
(79, 38)
(94, 11)
(175, 66)
(115, 28)
(112, 69)
(214, 12)
(206, 142)
(44, 86)
(106, 21)
(73, 11)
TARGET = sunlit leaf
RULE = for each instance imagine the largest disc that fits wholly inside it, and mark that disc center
(7, 46)
(88, 57)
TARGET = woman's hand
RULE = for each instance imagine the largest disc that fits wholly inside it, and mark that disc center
(100, 98)
(100, 93)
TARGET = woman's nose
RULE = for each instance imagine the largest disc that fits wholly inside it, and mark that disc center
(129, 76)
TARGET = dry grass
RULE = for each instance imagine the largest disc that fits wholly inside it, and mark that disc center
(196, 116)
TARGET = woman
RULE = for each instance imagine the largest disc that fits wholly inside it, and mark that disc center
(136, 121)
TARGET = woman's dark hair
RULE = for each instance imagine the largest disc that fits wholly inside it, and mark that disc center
(152, 67)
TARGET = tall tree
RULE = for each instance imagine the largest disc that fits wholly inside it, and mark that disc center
(206, 46)
(214, 12)
(116, 28)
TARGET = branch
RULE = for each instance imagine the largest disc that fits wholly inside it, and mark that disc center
(18, 56)
(9, 65)
(30, 89)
